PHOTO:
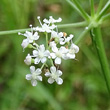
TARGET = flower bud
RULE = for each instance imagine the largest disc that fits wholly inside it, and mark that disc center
(25, 43)
(28, 59)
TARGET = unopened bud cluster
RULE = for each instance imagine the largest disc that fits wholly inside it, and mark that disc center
(58, 46)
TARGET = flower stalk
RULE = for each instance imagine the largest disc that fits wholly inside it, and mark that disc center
(79, 24)
(78, 8)
(102, 56)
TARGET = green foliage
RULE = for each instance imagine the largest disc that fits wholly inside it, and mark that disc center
(84, 87)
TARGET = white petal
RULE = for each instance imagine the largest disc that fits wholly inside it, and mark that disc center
(35, 53)
(27, 34)
(63, 49)
(36, 36)
(53, 55)
(42, 48)
(46, 21)
(47, 74)
(47, 53)
(51, 80)
(58, 60)
(52, 44)
(75, 47)
(53, 69)
(71, 36)
(64, 56)
(58, 72)
(39, 78)
(33, 82)
(32, 69)
(59, 19)
(71, 56)
(43, 60)
(53, 34)
(59, 81)
(54, 49)
(28, 76)
(38, 71)
(52, 26)
(28, 59)
(25, 43)
(60, 34)
(62, 42)
(36, 61)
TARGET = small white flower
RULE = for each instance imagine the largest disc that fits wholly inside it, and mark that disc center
(58, 36)
(71, 53)
(30, 36)
(45, 28)
(66, 39)
(24, 43)
(28, 59)
(54, 75)
(58, 54)
(52, 20)
(52, 44)
(41, 54)
(34, 76)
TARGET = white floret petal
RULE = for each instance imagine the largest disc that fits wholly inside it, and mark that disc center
(51, 80)
(58, 60)
(33, 82)
(28, 76)
(53, 69)
(32, 69)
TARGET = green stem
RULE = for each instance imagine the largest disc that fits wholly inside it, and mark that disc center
(92, 7)
(51, 62)
(79, 9)
(46, 40)
(82, 35)
(79, 24)
(43, 65)
(100, 6)
(102, 56)
(31, 46)
(104, 10)
(106, 17)
(14, 31)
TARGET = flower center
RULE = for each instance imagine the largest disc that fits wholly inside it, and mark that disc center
(41, 55)
(54, 76)
(31, 37)
(34, 76)
(58, 54)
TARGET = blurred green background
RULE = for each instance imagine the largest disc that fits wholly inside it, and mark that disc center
(84, 87)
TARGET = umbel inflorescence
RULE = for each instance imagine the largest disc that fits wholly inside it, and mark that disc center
(57, 46)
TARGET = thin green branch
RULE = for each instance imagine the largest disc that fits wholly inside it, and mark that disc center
(106, 17)
(79, 9)
(79, 24)
(102, 56)
(104, 10)
(82, 35)
(46, 40)
(92, 8)
(100, 6)
(14, 31)
(51, 61)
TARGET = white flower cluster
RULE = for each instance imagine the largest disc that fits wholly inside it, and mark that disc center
(58, 46)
